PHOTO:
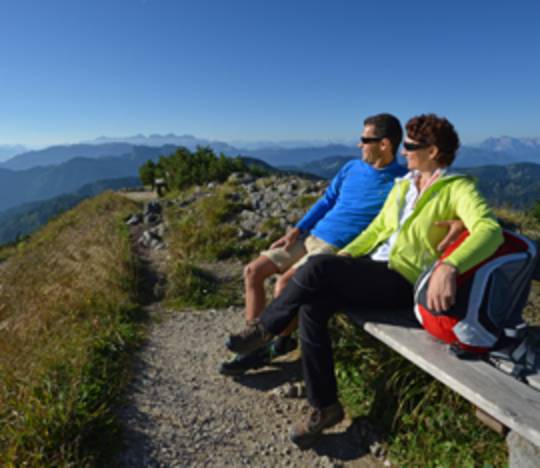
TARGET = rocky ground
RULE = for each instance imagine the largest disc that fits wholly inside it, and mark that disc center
(180, 411)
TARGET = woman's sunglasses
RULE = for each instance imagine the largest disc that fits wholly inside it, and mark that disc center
(415, 146)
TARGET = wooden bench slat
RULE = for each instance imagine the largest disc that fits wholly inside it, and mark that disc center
(513, 403)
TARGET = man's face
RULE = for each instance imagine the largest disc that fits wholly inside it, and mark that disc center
(371, 151)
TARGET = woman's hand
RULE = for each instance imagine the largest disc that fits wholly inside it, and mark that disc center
(441, 293)
(455, 228)
(286, 240)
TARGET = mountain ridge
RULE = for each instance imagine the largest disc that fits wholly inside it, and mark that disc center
(499, 151)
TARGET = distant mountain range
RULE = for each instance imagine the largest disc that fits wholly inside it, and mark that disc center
(55, 155)
(8, 151)
(509, 145)
(39, 183)
(189, 141)
(57, 170)
(493, 151)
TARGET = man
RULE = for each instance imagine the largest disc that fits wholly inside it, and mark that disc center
(353, 198)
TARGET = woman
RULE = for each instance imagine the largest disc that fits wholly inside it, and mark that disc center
(379, 268)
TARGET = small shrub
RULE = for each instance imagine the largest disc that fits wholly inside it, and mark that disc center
(185, 168)
(535, 211)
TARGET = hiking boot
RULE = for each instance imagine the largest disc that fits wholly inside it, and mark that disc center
(244, 362)
(282, 345)
(253, 336)
(304, 434)
(258, 358)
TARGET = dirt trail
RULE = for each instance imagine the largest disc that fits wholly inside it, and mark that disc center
(181, 412)
(140, 196)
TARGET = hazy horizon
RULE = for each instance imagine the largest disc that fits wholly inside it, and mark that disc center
(240, 144)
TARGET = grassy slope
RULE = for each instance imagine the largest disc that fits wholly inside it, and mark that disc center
(67, 320)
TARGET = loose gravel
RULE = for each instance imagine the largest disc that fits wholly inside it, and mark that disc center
(181, 412)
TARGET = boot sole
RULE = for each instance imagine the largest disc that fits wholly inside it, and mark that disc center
(308, 440)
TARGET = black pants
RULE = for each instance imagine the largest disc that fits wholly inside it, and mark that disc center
(320, 288)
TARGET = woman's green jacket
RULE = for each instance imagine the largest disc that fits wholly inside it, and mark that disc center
(450, 197)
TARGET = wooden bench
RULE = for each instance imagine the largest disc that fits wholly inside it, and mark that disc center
(504, 403)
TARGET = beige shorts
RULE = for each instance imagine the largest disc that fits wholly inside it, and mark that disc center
(298, 253)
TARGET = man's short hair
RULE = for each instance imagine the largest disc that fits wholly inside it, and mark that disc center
(438, 131)
(387, 126)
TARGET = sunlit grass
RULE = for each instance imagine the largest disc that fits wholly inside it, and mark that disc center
(66, 320)
(424, 423)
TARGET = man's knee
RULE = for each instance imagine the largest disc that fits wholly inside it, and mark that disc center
(258, 270)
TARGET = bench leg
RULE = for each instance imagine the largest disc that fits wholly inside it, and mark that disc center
(521, 452)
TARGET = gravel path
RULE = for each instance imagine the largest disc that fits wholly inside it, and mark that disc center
(140, 196)
(182, 412)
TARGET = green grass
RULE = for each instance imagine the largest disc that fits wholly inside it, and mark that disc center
(68, 303)
(424, 422)
(191, 286)
(203, 232)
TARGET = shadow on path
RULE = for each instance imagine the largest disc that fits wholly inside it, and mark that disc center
(276, 375)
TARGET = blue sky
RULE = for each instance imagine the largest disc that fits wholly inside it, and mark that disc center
(264, 70)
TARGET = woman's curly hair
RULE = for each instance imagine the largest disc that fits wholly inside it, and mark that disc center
(437, 131)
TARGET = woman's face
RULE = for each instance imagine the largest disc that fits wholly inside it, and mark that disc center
(420, 156)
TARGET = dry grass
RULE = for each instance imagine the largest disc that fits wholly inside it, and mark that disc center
(530, 226)
(65, 297)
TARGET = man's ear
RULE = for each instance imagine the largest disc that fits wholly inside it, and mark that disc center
(386, 145)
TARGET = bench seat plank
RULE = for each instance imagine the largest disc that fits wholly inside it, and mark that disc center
(508, 400)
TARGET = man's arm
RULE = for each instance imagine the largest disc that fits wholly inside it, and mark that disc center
(324, 204)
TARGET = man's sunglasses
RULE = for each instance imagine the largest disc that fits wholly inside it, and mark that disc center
(415, 146)
(368, 140)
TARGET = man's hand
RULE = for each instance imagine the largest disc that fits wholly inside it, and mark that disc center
(455, 228)
(287, 240)
(441, 293)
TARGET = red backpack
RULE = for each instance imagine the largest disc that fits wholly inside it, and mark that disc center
(489, 301)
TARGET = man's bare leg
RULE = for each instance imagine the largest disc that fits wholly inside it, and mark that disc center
(255, 273)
